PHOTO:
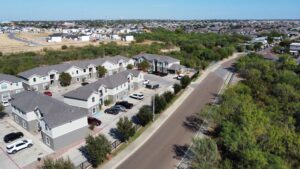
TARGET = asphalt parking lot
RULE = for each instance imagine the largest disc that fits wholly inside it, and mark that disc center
(23, 157)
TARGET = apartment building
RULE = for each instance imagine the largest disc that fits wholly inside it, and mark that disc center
(43, 78)
(113, 88)
(9, 85)
(58, 123)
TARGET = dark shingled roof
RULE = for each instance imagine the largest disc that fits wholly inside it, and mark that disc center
(55, 113)
(110, 82)
(9, 78)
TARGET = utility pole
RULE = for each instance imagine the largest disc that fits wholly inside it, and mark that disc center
(153, 105)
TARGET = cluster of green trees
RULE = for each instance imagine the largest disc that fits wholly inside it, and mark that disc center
(196, 49)
(258, 120)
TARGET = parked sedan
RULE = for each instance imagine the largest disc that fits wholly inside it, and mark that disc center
(84, 83)
(120, 108)
(152, 86)
(12, 136)
(126, 104)
(48, 93)
(95, 121)
(111, 111)
(138, 96)
(19, 145)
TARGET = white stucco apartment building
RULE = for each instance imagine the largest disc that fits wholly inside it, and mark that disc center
(9, 85)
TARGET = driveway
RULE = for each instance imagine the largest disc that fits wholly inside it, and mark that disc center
(23, 157)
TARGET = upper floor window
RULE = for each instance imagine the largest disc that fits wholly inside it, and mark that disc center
(34, 79)
(93, 99)
(77, 71)
(84, 70)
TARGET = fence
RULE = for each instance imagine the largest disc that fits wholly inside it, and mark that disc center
(114, 145)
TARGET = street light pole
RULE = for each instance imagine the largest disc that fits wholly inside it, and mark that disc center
(153, 107)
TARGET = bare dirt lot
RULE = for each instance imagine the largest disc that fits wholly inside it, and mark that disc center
(9, 45)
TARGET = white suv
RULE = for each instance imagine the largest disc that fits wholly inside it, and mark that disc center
(19, 145)
(138, 96)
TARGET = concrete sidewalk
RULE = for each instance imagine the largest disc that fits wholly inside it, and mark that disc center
(134, 146)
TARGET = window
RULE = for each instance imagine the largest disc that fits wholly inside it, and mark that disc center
(44, 78)
(34, 79)
(94, 110)
(93, 99)
(77, 79)
(24, 124)
(47, 140)
(84, 70)
(3, 86)
(77, 72)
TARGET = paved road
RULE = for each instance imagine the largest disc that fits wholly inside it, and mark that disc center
(161, 150)
(30, 43)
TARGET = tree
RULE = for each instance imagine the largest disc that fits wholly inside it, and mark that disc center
(97, 149)
(204, 154)
(125, 128)
(177, 88)
(63, 47)
(101, 70)
(185, 81)
(144, 65)
(129, 66)
(1, 108)
(160, 103)
(1, 54)
(65, 79)
(145, 115)
(57, 164)
(168, 95)
(257, 46)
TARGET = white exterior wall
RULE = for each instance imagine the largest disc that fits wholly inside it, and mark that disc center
(8, 86)
(84, 38)
(83, 104)
(75, 72)
(29, 116)
(55, 39)
(39, 80)
(118, 89)
(129, 38)
(65, 128)
(90, 103)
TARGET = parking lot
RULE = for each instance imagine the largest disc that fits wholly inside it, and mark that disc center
(23, 157)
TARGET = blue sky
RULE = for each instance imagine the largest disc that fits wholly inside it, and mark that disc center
(148, 9)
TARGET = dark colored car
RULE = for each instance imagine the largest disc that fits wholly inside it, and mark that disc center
(84, 83)
(48, 93)
(111, 111)
(92, 120)
(126, 104)
(12, 136)
(152, 86)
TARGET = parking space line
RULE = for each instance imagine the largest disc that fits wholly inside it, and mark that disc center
(10, 158)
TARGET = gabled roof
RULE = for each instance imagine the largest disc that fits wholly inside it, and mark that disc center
(9, 78)
(44, 70)
(110, 82)
(55, 113)
(161, 58)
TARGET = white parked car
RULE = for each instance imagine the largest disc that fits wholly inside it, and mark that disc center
(138, 96)
(179, 77)
(146, 82)
(19, 145)
(5, 103)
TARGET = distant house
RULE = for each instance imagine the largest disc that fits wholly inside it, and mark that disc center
(128, 38)
(262, 40)
(58, 123)
(56, 37)
(116, 37)
(114, 87)
(295, 49)
(9, 85)
(84, 38)
(158, 63)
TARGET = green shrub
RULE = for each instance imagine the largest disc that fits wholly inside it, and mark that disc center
(145, 115)
(185, 81)
(177, 87)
